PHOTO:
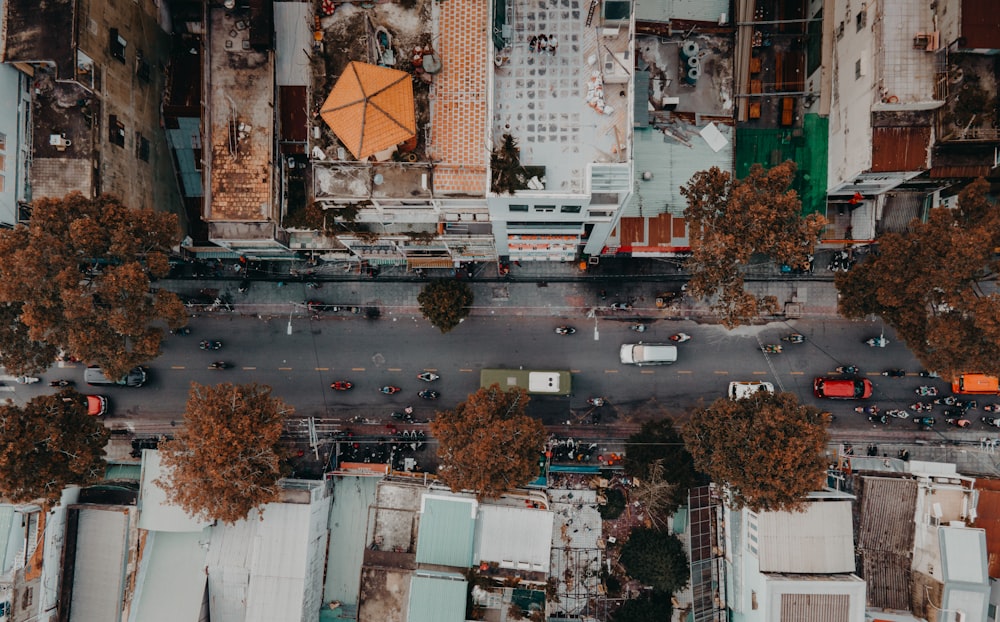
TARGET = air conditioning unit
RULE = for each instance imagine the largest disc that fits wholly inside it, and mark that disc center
(927, 41)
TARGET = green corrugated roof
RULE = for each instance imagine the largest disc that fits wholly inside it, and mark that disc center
(447, 527)
(6, 520)
(808, 150)
(123, 471)
(437, 598)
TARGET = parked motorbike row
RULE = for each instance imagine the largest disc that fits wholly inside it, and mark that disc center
(569, 450)
(383, 450)
(842, 261)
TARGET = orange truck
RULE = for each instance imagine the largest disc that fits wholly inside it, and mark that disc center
(976, 384)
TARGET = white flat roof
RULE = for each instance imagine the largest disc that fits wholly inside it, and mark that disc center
(514, 537)
(155, 512)
(820, 539)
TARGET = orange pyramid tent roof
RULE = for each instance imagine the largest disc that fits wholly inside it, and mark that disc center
(370, 108)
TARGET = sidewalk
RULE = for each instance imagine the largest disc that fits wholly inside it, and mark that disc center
(545, 289)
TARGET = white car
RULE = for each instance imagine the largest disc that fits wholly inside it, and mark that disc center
(740, 390)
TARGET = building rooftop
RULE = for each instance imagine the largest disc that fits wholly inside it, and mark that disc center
(514, 537)
(820, 539)
(36, 31)
(447, 527)
(695, 10)
(906, 74)
(885, 539)
(437, 597)
(241, 118)
(568, 108)
(156, 513)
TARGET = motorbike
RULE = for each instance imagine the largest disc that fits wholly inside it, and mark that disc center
(639, 328)
(991, 408)
(877, 342)
(427, 394)
(389, 390)
(770, 348)
(929, 374)
(958, 423)
(596, 401)
(25, 380)
(565, 330)
(220, 365)
(878, 419)
(184, 330)
(871, 409)
(621, 306)
(898, 413)
(428, 376)
(951, 400)
(993, 421)
(341, 385)
(406, 415)
(921, 407)
(849, 370)
(894, 373)
(680, 337)
(926, 391)
(209, 344)
(926, 422)
(61, 383)
(794, 338)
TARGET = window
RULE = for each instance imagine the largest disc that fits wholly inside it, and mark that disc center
(116, 45)
(141, 147)
(3, 141)
(861, 19)
(1, 183)
(569, 209)
(753, 600)
(545, 208)
(141, 67)
(857, 69)
(116, 131)
(518, 208)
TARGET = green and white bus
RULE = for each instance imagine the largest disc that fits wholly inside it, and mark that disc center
(534, 381)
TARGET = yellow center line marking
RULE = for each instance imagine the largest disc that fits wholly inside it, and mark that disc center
(395, 369)
(683, 371)
(357, 369)
(647, 371)
(469, 371)
(721, 373)
(873, 373)
(574, 371)
(611, 371)
(430, 369)
(322, 369)
(284, 369)
(797, 373)
(177, 367)
(249, 368)
(760, 373)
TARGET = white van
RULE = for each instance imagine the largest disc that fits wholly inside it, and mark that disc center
(740, 390)
(648, 354)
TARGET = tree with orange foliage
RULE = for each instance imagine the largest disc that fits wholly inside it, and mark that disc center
(48, 444)
(733, 221)
(77, 278)
(767, 450)
(487, 444)
(226, 461)
(935, 285)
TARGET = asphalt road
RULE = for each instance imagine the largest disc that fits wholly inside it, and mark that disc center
(373, 353)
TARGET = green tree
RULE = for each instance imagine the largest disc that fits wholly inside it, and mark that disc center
(445, 302)
(649, 607)
(507, 176)
(49, 444)
(104, 316)
(733, 222)
(226, 461)
(656, 559)
(487, 444)
(935, 285)
(658, 442)
(767, 450)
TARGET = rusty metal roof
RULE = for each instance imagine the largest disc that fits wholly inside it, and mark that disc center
(885, 539)
(900, 148)
(988, 518)
(980, 25)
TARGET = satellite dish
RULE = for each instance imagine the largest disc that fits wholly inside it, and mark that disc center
(229, 4)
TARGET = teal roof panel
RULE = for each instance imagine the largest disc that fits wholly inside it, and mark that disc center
(447, 526)
(438, 598)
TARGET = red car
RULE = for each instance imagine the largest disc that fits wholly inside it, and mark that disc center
(97, 405)
(842, 388)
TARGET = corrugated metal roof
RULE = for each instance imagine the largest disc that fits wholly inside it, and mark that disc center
(99, 565)
(123, 471)
(900, 148)
(672, 165)
(293, 39)
(815, 607)
(819, 539)
(447, 527)
(437, 598)
(900, 208)
(155, 512)
(513, 534)
(7, 552)
(665, 10)
(887, 504)
(171, 584)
